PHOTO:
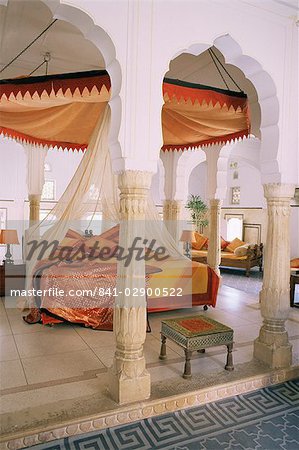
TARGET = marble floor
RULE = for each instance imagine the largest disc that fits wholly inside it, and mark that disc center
(51, 375)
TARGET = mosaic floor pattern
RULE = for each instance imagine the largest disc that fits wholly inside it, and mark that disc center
(267, 419)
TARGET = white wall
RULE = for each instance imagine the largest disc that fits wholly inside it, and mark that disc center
(198, 181)
(63, 164)
(249, 181)
(13, 187)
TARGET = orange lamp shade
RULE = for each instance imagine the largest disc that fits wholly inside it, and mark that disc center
(9, 237)
(187, 236)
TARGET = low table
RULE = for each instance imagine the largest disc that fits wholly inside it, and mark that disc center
(196, 333)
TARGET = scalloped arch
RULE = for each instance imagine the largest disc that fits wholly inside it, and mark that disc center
(267, 98)
(102, 41)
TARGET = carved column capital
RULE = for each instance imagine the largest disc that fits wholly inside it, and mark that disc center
(171, 217)
(172, 209)
(34, 207)
(215, 203)
(279, 191)
(134, 180)
(134, 186)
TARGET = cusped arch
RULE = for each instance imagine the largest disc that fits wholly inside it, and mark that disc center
(267, 98)
(102, 41)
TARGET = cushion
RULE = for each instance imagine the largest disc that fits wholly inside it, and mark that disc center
(206, 245)
(224, 243)
(71, 239)
(241, 251)
(100, 244)
(235, 244)
(199, 242)
(295, 263)
(112, 234)
(73, 234)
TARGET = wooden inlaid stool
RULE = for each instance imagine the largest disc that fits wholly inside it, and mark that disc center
(196, 333)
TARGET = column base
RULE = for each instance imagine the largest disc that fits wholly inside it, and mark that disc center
(124, 388)
(273, 355)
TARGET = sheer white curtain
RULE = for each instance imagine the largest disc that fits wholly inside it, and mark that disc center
(93, 190)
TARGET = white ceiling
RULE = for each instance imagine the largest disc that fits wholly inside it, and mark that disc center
(283, 8)
(22, 21)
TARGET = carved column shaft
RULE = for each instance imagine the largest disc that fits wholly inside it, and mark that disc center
(34, 208)
(35, 179)
(129, 380)
(171, 216)
(214, 249)
(272, 346)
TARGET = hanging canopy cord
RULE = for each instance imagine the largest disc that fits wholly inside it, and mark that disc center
(34, 70)
(214, 56)
(47, 57)
(28, 46)
(219, 71)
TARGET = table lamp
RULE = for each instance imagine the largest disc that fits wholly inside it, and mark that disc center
(187, 237)
(8, 237)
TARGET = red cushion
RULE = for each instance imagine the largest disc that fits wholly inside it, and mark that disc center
(224, 243)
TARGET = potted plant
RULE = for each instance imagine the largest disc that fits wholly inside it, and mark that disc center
(198, 210)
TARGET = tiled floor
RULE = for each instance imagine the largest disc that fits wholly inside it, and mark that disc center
(45, 370)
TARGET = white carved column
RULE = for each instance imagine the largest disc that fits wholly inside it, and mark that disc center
(171, 217)
(35, 179)
(129, 379)
(214, 249)
(272, 346)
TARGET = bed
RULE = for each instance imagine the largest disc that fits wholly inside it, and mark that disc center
(171, 284)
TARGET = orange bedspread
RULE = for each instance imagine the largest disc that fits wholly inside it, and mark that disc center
(84, 292)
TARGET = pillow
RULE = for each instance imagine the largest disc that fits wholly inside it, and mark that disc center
(241, 251)
(71, 239)
(235, 244)
(73, 234)
(200, 241)
(206, 245)
(295, 263)
(112, 234)
(100, 244)
(224, 243)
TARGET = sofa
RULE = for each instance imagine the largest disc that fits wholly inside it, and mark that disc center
(233, 254)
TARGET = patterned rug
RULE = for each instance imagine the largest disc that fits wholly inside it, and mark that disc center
(267, 419)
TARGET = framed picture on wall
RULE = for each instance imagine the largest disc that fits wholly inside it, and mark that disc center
(3, 218)
(252, 233)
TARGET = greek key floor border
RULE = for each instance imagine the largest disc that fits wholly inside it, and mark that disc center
(150, 408)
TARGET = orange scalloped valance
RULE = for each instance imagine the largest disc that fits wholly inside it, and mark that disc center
(62, 111)
(55, 110)
(195, 115)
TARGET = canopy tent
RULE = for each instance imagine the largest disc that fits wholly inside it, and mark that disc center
(63, 110)
(195, 115)
(55, 110)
